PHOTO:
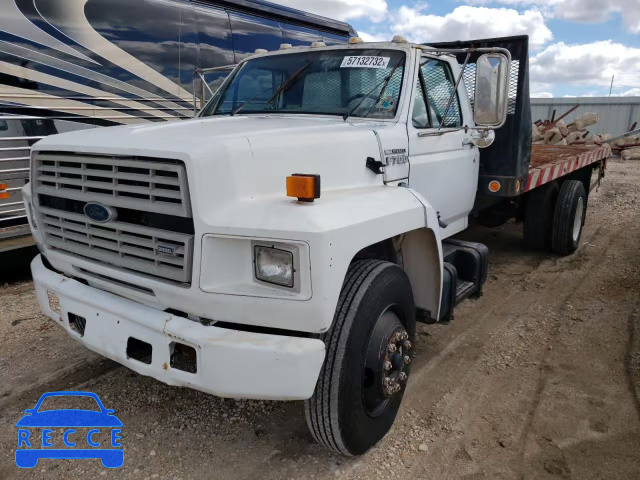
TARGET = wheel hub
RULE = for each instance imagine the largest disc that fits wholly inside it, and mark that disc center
(387, 363)
(397, 357)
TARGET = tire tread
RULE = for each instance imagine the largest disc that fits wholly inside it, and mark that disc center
(321, 409)
(538, 218)
(562, 233)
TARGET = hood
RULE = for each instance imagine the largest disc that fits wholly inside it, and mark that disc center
(243, 157)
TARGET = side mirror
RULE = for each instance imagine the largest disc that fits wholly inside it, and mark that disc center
(492, 90)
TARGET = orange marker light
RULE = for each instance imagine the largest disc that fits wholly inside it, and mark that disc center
(494, 186)
(306, 188)
(3, 194)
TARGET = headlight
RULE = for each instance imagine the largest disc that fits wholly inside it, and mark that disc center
(274, 265)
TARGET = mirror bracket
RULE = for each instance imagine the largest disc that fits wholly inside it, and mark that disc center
(466, 128)
(483, 137)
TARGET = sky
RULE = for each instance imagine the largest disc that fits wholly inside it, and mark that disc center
(575, 46)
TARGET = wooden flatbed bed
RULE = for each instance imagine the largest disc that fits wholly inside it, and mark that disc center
(549, 162)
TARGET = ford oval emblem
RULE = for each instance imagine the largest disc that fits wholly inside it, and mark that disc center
(99, 213)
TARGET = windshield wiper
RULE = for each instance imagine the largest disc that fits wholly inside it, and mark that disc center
(282, 87)
(385, 80)
(287, 83)
(242, 105)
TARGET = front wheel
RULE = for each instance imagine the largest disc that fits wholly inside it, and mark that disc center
(369, 350)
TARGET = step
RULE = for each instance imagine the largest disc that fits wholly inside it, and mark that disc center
(464, 290)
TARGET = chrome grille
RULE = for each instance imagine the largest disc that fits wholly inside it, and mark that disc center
(139, 184)
(153, 230)
(123, 245)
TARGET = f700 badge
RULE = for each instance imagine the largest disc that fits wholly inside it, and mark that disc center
(396, 156)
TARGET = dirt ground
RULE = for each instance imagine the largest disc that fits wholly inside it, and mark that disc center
(537, 379)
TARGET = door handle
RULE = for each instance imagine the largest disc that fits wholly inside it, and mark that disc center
(467, 142)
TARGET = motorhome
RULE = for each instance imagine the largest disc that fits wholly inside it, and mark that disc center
(75, 64)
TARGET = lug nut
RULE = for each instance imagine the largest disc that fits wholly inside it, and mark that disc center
(402, 376)
(392, 348)
(407, 344)
(388, 365)
(405, 336)
(407, 359)
(388, 382)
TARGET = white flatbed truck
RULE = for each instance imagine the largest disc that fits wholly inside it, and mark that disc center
(283, 244)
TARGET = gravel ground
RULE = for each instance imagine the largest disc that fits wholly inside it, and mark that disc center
(539, 378)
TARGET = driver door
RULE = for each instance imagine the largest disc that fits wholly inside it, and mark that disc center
(444, 164)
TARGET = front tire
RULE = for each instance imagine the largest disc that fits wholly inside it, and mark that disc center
(568, 219)
(366, 367)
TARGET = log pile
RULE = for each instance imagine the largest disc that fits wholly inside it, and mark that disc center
(557, 132)
(628, 147)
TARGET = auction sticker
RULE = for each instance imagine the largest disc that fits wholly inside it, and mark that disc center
(364, 62)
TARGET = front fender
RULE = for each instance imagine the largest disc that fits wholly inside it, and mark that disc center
(340, 224)
(423, 262)
(379, 215)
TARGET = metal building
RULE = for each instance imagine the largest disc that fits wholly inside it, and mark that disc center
(617, 114)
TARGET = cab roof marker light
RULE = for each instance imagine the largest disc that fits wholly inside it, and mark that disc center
(353, 40)
(398, 39)
(286, 46)
(261, 50)
(318, 45)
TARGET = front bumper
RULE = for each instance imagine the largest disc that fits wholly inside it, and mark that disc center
(229, 363)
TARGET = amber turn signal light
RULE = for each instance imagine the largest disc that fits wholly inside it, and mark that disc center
(306, 188)
(3, 187)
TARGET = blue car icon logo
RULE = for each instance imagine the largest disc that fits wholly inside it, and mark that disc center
(82, 433)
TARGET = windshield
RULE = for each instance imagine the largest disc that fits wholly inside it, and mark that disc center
(356, 82)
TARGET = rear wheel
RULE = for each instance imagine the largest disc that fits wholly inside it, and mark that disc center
(369, 351)
(538, 216)
(568, 220)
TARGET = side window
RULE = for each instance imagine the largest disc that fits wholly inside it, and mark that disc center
(251, 32)
(297, 35)
(332, 39)
(420, 117)
(440, 85)
(150, 31)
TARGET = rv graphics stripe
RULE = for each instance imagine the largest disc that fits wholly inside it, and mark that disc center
(51, 102)
(70, 18)
(35, 76)
(52, 62)
(31, 52)
(13, 22)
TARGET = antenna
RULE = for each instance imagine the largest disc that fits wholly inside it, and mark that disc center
(611, 88)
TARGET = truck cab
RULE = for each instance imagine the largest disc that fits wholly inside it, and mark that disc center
(282, 244)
